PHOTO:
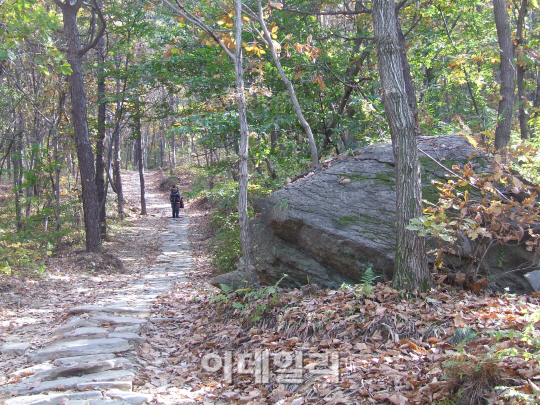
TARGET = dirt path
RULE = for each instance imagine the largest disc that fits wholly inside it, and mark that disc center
(103, 304)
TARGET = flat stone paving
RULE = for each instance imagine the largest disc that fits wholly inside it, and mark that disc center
(92, 358)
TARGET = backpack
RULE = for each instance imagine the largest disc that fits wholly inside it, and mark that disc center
(175, 196)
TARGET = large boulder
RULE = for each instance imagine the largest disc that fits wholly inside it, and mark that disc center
(328, 227)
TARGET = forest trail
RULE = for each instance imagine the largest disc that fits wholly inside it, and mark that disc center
(93, 356)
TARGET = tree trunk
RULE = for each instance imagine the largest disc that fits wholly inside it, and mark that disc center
(80, 125)
(296, 105)
(407, 77)
(245, 233)
(100, 166)
(506, 103)
(410, 268)
(523, 118)
(140, 161)
(17, 179)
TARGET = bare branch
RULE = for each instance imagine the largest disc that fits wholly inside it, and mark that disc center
(91, 45)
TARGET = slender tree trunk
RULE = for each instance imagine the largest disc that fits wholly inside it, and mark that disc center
(410, 268)
(139, 149)
(296, 105)
(506, 104)
(523, 118)
(245, 233)
(80, 125)
(17, 180)
(100, 166)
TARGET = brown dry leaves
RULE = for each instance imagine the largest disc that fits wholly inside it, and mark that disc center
(392, 348)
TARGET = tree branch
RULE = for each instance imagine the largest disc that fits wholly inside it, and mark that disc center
(91, 45)
(181, 10)
(363, 11)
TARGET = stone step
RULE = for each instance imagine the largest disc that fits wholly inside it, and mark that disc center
(134, 398)
(74, 323)
(113, 309)
(87, 367)
(129, 336)
(82, 347)
(66, 361)
(53, 398)
(105, 385)
(93, 332)
(131, 328)
(120, 320)
(34, 387)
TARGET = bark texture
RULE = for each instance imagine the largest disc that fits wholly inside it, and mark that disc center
(410, 266)
(506, 103)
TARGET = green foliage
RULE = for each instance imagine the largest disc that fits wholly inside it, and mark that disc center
(226, 247)
(25, 258)
(248, 303)
(365, 288)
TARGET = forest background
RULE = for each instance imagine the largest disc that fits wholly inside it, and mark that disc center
(90, 88)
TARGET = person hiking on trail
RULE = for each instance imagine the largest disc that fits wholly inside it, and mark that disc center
(175, 198)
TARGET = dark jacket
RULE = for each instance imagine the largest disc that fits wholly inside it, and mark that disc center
(174, 197)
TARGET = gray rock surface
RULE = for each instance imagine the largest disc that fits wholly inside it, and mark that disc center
(328, 227)
(81, 347)
(534, 279)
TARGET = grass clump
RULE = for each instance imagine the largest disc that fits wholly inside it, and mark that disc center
(473, 380)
